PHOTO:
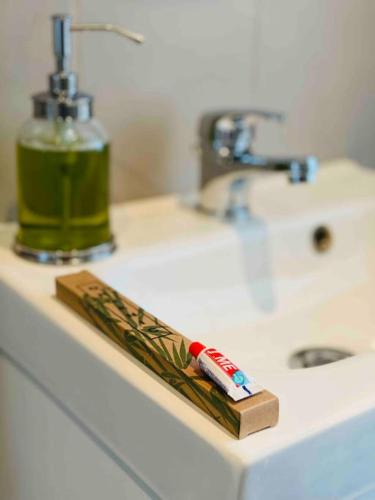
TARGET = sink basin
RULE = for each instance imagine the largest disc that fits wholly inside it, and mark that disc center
(264, 292)
(260, 291)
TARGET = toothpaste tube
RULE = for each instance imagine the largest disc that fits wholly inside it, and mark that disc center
(224, 373)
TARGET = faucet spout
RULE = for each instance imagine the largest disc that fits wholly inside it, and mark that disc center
(299, 169)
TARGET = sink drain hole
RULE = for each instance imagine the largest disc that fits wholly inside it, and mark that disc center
(322, 239)
(308, 358)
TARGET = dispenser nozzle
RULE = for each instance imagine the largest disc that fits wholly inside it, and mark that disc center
(62, 26)
(61, 41)
(135, 37)
(63, 100)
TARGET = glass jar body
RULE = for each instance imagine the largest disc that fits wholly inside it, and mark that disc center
(62, 186)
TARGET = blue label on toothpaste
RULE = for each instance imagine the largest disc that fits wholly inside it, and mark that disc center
(239, 378)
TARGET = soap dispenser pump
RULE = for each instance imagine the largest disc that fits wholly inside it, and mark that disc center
(63, 165)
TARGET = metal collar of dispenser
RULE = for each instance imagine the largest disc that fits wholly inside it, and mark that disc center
(78, 107)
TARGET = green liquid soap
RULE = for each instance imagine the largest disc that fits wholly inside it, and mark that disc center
(63, 198)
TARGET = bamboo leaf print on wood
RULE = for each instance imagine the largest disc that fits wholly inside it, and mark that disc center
(164, 351)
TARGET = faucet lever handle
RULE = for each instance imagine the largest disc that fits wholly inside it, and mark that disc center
(231, 133)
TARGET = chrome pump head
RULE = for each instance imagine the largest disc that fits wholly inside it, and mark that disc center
(63, 100)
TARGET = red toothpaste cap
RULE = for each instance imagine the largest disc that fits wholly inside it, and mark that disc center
(196, 348)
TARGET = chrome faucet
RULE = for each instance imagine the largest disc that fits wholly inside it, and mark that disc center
(226, 144)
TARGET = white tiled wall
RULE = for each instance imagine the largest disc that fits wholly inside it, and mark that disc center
(311, 58)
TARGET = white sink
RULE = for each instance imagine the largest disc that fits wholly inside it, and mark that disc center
(260, 292)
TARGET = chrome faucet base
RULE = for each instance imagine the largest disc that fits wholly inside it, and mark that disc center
(226, 197)
(230, 214)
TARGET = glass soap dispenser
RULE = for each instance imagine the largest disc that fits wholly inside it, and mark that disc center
(63, 165)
